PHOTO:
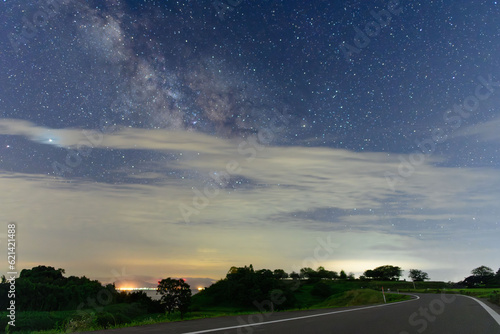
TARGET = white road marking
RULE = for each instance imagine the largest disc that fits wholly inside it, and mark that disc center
(488, 309)
(298, 318)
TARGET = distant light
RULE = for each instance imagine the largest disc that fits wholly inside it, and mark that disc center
(199, 289)
(136, 289)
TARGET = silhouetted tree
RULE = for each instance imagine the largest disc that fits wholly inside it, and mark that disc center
(418, 275)
(307, 272)
(482, 271)
(384, 273)
(279, 274)
(333, 274)
(176, 295)
(243, 287)
(343, 275)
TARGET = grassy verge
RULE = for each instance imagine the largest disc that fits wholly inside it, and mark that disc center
(361, 297)
(348, 298)
(73, 321)
(492, 294)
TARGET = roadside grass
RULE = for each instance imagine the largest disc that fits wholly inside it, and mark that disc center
(73, 321)
(347, 298)
(474, 292)
(360, 297)
(492, 294)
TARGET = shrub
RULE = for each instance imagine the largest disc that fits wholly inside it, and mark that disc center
(495, 297)
(105, 319)
(321, 289)
(33, 321)
(81, 322)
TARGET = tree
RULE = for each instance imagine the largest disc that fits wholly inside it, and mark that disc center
(333, 274)
(418, 275)
(176, 295)
(369, 273)
(384, 273)
(322, 272)
(343, 275)
(279, 274)
(294, 275)
(307, 272)
(482, 271)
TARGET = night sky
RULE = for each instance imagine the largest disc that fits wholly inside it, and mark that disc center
(180, 138)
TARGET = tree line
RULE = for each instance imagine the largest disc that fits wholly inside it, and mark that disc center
(45, 288)
(482, 276)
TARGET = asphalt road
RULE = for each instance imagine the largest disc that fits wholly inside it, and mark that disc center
(431, 313)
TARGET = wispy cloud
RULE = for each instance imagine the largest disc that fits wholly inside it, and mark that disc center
(485, 131)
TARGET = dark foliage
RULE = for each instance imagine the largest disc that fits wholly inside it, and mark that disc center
(244, 287)
(322, 290)
(384, 273)
(45, 288)
(176, 295)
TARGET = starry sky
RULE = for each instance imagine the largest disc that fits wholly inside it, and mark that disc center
(148, 139)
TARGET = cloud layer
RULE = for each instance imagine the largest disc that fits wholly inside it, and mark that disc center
(214, 217)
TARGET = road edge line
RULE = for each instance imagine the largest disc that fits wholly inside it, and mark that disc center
(302, 317)
(488, 309)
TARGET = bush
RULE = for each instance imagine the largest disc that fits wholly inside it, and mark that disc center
(495, 297)
(321, 289)
(129, 311)
(33, 321)
(81, 322)
(105, 319)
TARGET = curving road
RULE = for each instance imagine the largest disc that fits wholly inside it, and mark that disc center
(428, 313)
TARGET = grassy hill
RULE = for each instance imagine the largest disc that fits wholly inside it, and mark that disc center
(323, 293)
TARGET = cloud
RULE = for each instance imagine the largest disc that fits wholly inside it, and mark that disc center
(485, 132)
